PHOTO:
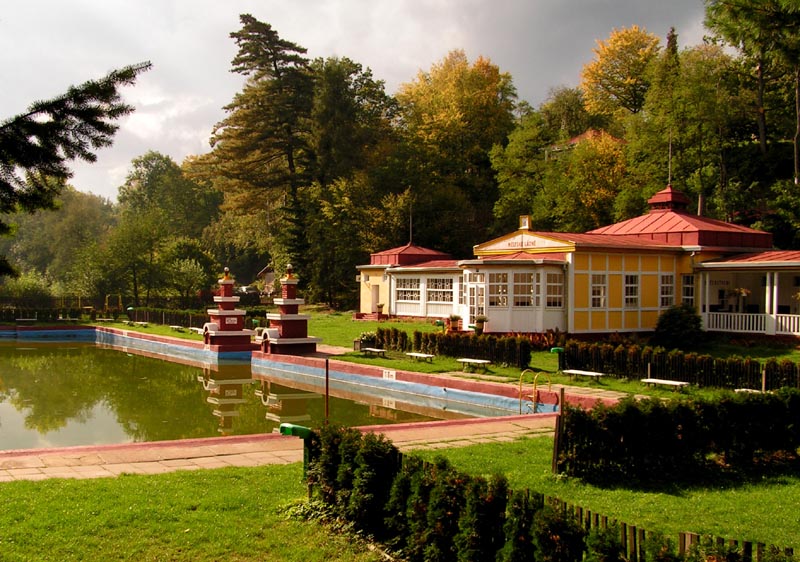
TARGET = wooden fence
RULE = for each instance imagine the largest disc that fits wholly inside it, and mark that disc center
(633, 539)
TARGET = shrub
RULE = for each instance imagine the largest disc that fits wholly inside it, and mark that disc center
(679, 327)
(558, 538)
(603, 544)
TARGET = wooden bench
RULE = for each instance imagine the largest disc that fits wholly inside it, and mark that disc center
(97, 319)
(196, 330)
(473, 364)
(25, 321)
(421, 356)
(748, 390)
(664, 382)
(140, 324)
(176, 328)
(370, 351)
(575, 373)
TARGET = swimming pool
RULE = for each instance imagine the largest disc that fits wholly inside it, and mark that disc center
(107, 388)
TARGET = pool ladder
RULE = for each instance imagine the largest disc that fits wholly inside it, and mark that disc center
(532, 395)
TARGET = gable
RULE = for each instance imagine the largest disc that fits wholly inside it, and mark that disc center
(523, 241)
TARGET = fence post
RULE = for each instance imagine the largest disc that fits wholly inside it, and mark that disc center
(557, 435)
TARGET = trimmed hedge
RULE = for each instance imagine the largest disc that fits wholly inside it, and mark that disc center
(430, 511)
(635, 362)
(9, 315)
(653, 441)
(505, 350)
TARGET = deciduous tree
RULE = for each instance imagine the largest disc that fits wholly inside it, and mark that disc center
(617, 78)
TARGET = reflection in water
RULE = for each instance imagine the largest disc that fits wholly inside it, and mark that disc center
(64, 394)
(285, 404)
(225, 386)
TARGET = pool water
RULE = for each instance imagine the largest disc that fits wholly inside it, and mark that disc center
(60, 394)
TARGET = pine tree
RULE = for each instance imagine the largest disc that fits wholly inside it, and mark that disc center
(36, 147)
(261, 148)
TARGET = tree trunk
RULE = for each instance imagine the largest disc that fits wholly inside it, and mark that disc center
(761, 117)
(796, 139)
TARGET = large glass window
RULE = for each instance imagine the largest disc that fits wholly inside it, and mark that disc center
(599, 290)
(407, 289)
(554, 293)
(498, 289)
(440, 290)
(687, 289)
(523, 289)
(631, 291)
(667, 290)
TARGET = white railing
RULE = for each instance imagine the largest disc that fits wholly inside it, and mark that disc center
(736, 322)
(787, 324)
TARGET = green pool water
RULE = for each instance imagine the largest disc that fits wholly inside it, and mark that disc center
(68, 394)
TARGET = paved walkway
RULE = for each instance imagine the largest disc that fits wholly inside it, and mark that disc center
(256, 450)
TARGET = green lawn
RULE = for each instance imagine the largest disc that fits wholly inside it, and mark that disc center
(224, 514)
(764, 511)
(238, 514)
(242, 513)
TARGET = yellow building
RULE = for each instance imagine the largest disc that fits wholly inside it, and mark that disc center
(618, 278)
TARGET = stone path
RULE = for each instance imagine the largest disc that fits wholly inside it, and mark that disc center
(255, 450)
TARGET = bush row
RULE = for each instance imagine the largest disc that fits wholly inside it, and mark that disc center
(9, 315)
(505, 350)
(430, 511)
(649, 441)
(633, 362)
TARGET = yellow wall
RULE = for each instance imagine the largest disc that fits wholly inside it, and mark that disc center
(615, 317)
(581, 290)
(366, 288)
(648, 291)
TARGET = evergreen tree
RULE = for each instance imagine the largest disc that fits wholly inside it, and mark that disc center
(261, 151)
(36, 147)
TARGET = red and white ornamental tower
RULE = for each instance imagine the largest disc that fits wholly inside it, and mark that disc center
(225, 331)
(292, 328)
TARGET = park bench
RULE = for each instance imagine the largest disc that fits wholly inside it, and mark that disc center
(575, 373)
(474, 364)
(421, 356)
(176, 328)
(665, 382)
(369, 351)
(196, 330)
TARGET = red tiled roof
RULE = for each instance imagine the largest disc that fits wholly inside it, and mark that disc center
(773, 256)
(432, 264)
(526, 256)
(591, 239)
(406, 255)
(668, 223)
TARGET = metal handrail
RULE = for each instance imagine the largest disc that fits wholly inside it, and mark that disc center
(533, 394)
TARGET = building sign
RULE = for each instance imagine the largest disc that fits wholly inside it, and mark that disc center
(523, 241)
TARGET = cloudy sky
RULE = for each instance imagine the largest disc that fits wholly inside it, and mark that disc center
(48, 45)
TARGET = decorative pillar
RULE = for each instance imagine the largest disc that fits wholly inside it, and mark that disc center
(225, 329)
(288, 330)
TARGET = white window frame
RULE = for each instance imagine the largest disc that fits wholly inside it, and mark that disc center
(666, 290)
(497, 296)
(524, 288)
(439, 290)
(554, 290)
(598, 290)
(631, 290)
(407, 289)
(687, 289)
